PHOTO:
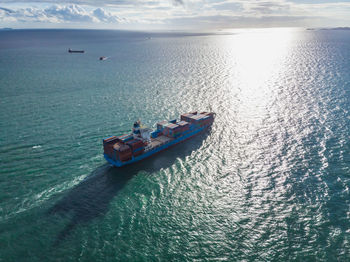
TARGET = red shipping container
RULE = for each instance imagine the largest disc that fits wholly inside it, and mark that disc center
(186, 117)
(109, 140)
(125, 157)
(137, 153)
(135, 144)
(120, 147)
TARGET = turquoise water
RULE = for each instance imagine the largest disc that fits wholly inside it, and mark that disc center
(270, 181)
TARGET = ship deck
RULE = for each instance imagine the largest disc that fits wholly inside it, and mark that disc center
(160, 140)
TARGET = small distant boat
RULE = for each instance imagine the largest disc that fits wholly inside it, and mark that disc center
(103, 58)
(75, 51)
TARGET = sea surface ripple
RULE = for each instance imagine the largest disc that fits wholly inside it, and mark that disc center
(269, 182)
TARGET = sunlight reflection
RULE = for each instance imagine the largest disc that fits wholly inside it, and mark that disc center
(257, 63)
(258, 58)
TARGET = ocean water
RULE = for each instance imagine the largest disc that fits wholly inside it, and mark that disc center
(269, 182)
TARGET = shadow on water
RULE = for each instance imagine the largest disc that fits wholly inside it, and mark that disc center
(91, 198)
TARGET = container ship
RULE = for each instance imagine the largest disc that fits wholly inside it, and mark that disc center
(75, 51)
(144, 142)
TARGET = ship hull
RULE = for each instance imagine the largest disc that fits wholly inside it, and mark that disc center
(157, 150)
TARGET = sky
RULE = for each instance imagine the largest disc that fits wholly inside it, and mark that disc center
(173, 14)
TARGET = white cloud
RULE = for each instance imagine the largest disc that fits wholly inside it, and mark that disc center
(104, 16)
(58, 14)
(71, 13)
(174, 14)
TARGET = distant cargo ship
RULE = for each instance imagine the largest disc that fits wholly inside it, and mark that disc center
(145, 142)
(75, 51)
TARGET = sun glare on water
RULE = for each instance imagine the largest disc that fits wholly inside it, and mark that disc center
(258, 58)
(257, 66)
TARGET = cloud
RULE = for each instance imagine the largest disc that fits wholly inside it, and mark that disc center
(270, 7)
(172, 14)
(6, 10)
(229, 6)
(104, 16)
(104, 3)
(178, 2)
(239, 21)
(71, 13)
(58, 14)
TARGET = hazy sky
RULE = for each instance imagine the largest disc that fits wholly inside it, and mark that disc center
(173, 14)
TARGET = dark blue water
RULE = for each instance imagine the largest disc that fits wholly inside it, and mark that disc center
(270, 181)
